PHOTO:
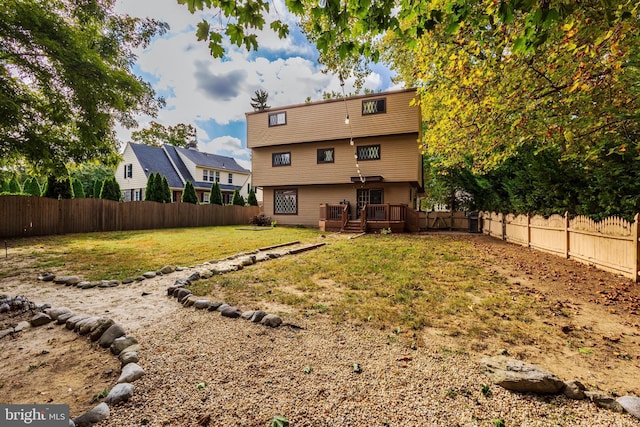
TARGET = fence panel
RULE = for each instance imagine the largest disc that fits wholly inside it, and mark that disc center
(549, 234)
(611, 244)
(24, 216)
(608, 244)
(446, 220)
(517, 229)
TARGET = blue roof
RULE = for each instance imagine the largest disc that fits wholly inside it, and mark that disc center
(162, 160)
(213, 161)
(154, 159)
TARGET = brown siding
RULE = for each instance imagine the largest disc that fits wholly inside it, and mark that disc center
(399, 162)
(325, 120)
(311, 197)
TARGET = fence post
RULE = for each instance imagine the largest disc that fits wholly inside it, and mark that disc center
(528, 230)
(636, 236)
(566, 234)
(504, 227)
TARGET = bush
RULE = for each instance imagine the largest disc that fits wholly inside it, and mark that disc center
(32, 187)
(78, 190)
(261, 220)
(189, 193)
(237, 200)
(252, 199)
(110, 190)
(58, 188)
(215, 196)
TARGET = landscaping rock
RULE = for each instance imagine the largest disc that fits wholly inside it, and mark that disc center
(214, 306)
(127, 357)
(108, 283)
(132, 348)
(194, 276)
(149, 274)
(101, 325)
(167, 269)
(604, 401)
(85, 325)
(56, 312)
(4, 307)
(47, 277)
(22, 326)
(107, 338)
(202, 304)
(130, 373)
(73, 320)
(181, 293)
(119, 393)
(631, 404)
(222, 307)
(188, 301)
(128, 280)
(271, 320)
(518, 376)
(40, 319)
(574, 389)
(66, 280)
(258, 315)
(62, 319)
(121, 343)
(95, 415)
(87, 285)
(247, 314)
(232, 312)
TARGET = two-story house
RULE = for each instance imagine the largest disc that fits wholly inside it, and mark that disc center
(180, 165)
(349, 163)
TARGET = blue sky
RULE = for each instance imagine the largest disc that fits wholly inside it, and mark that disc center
(214, 94)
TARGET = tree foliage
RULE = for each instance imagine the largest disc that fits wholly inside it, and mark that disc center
(259, 101)
(157, 189)
(88, 173)
(166, 190)
(156, 134)
(32, 187)
(58, 187)
(237, 199)
(252, 200)
(151, 187)
(65, 80)
(215, 194)
(14, 186)
(189, 193)
(77, 188)
(110, 190)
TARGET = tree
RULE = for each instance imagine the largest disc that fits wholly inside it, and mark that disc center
(14, 186)
(189, 193)
(151, 186)
(215, 194)
(4, 186)
(156, 134)
(110, 190)
(58, 187)
(259, 101)
(166, 190)
(97, 188)
(252, 200)
(237, 200)
(78, 190)
(88, 173)
(66, 80)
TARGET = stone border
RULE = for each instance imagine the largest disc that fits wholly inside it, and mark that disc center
(109, 334)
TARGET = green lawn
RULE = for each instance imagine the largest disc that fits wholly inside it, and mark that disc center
(402, 283)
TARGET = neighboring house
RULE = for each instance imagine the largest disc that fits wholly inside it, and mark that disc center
(180, 165)
(318, 169)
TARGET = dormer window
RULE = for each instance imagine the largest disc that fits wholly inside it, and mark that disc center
(374, 106)
(278, 119)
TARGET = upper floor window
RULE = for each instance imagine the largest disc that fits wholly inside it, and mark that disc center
(325, 155)
(217, 176)
(207, 175)
(281, 159)
(369, 152)
(374, 106)
(277, 119)
(128, 170)
(230, 180)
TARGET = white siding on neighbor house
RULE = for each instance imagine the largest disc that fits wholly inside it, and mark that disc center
(138, 178)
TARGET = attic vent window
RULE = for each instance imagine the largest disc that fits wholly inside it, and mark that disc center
(374, 106)
(278, 119)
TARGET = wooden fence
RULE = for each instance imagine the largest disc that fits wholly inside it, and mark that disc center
(24, 216)
(447, 220)
(610, 244)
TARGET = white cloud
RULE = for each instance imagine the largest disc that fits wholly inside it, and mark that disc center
(199, 88)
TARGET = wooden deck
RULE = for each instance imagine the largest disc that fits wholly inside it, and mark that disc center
(372, 218)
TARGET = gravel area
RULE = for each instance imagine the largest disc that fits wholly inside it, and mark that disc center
(199, 364)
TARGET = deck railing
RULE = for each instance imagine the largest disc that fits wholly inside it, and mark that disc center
(384, 212)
